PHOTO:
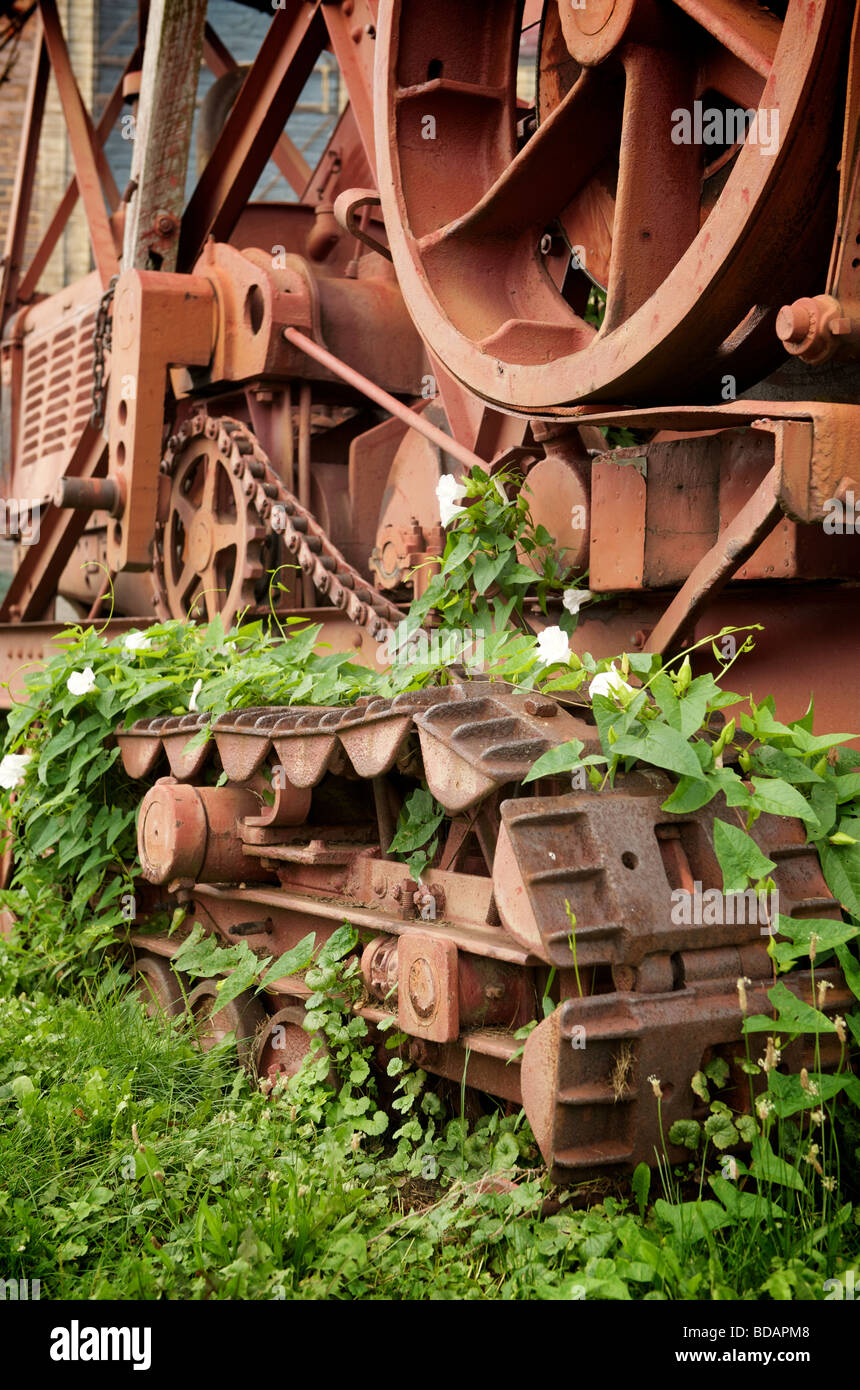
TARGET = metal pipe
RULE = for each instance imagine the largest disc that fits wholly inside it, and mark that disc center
(389, 403)
(88, 495)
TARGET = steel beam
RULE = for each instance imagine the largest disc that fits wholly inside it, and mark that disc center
(289, 160)
(286, 59)
(88, 158)
(19, 213)
(32, 275)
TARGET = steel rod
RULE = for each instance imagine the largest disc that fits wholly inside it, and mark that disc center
(388, 402)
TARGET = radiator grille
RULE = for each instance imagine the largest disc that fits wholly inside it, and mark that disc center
(57, 390)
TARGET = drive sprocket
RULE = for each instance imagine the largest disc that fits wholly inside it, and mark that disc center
(210, 538)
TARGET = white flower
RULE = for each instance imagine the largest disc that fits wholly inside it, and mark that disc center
(136, 642)
(12, 769)
(81, 682)
(192, 703)
(448, 491)
(553, 646)
(608, 683)
(573, 599)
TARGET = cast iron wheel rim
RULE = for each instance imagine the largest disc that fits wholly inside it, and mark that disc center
(213, 1022)
(157, 986)
(710, 314)
(282, 1044)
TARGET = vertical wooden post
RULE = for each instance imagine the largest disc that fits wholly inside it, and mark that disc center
(165, 114)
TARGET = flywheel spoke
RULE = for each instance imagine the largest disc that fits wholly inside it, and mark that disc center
(207, 504)
(722, 71)
(658, 197)
(226, 535)
(186, 511)
(552, 167)
(186, 581)
(741, 26)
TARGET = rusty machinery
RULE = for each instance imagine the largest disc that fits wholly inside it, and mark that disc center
(241, 386)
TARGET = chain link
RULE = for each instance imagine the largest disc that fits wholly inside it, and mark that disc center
(102, 337)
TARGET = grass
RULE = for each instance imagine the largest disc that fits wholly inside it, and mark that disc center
(133, 1166)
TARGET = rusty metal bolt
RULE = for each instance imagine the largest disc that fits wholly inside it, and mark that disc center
(165, 225)
(793, 323)
(544, 709)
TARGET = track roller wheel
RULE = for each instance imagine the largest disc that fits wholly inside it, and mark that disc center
(157, 985)
(242, 1016)
(282, 1044)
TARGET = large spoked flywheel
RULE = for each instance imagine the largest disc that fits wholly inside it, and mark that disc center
(679, 149)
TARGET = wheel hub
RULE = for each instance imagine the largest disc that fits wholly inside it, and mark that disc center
(593, 30)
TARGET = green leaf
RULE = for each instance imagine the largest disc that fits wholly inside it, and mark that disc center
(486, 570)
(850, 969)
(739, 857)
(799, 933)
(691, 794)
(291, 962)
(793, 1015)
(789, 1097)
(699, 1085)
(718, 1071)
(562, 758)
(774, 795)
(339, 944)
(692, 1221)
(417, 823)
(662, 747)
(841, 867)
(686, 1133)
(769, 1168)
(744, 1206)
(720, 1129)
(641, 1185)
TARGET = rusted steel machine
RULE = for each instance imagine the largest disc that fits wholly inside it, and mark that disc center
(242, 385)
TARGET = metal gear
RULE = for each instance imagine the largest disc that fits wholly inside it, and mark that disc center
(210, 539)
(226, 501)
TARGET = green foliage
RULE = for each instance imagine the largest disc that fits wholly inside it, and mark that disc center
(482, 558)
(344, 1184)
